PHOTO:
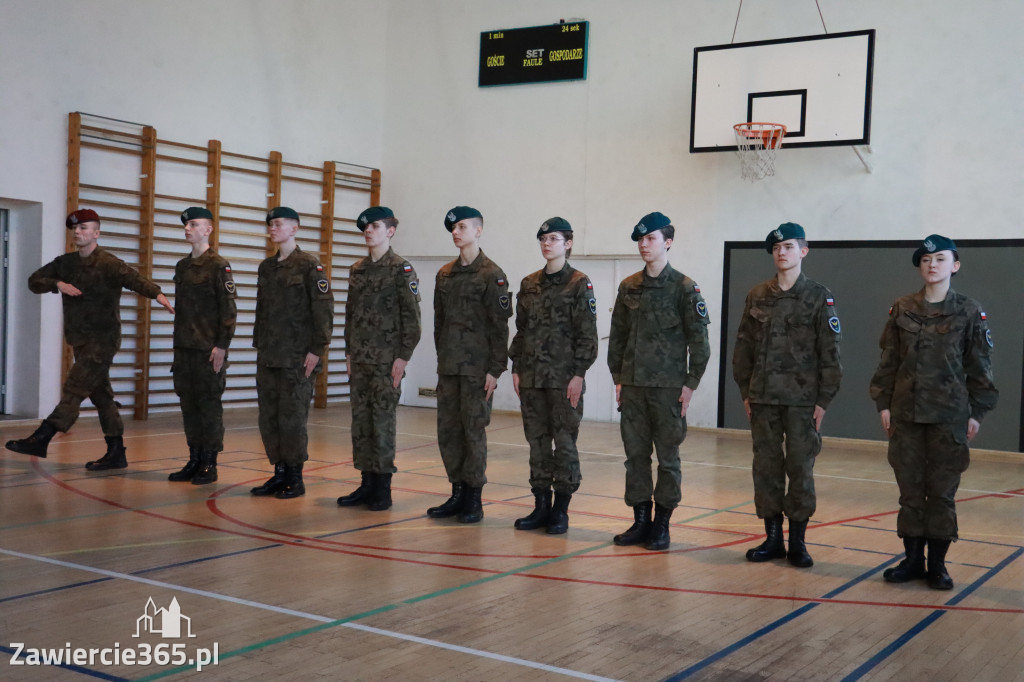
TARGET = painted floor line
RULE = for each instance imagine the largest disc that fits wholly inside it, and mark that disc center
(770, 627)
(73, 668)
(315, 617)
(894, 646)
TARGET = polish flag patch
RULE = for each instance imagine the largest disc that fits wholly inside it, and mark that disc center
(830, 301)
(983, 315)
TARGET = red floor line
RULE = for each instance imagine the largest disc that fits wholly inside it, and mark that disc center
(215, 508)
(305, 543)
(777, 597)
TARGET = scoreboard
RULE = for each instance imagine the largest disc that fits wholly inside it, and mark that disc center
(538, 54)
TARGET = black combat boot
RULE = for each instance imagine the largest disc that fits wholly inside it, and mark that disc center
(381, 498)
(797, 554)
(938, 578)
(910, 568)
(293, 485)
(558, 521)
(360, 494)
(452, 506)
(541, 510)
(273, 484)
(641, 528)
(207, 472)
(114, 457)
(472, 510)
(658, 539)
(189, 470)
(35, 444)
(773, 546)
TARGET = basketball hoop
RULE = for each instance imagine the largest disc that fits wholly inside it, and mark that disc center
(756, 144)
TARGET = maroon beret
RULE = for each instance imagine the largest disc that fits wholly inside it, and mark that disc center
(82, 215)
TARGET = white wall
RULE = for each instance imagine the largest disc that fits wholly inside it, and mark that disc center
(304, 77)
(393, 84)
(603, 152)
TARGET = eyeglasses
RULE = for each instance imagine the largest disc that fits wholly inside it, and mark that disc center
(550, 239)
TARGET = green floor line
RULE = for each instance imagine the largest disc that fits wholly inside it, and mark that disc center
(373, 612)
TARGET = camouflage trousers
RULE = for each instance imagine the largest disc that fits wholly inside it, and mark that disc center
(283, 395)
(928, 460)
(200, 391)
(551, 426)
(772, 426)
(462, 419)
(89, 377)
(374, 407)
(651, 421)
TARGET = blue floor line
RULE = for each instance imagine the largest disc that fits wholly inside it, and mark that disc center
(722, 653)
(894, 646)
(66, 666)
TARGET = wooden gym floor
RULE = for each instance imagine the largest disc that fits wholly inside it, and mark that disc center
(301, 589)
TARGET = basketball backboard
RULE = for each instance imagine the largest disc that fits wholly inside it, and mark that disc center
(819, 87)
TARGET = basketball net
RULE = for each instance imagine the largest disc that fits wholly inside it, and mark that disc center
(756, 144)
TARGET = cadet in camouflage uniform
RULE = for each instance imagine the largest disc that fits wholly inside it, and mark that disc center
(786, 364)
(932, 388)
(204, 291)
(554, 346)
(471, 311)
(294, 321)
(90, 283)
(659, 319)
(382, 328)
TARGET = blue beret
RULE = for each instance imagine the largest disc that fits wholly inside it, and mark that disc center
(782, 233)
(555, 224)
(650, 223)
(372, 215)
(933, 244)
(195, 213)
(282, 212)
(460, 213)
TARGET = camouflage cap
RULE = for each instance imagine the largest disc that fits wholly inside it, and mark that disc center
(460, 213)
(282, 212)
(782, 233)
(372, 215)
(933, 244)
(195, 213)
(555, 224)
(82, 215)
(650, 223)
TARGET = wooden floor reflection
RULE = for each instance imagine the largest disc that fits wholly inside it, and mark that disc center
(301, 589)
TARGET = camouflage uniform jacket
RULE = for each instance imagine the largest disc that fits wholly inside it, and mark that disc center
(204, 302)
(787, 345)
(95, 316)
(556, 328)
(382, 315)
(294, 310)
(935, 365)
(656, 321)
(471, 311)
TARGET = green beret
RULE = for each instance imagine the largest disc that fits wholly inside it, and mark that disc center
(555, 224)
(933, 244)
(372, 215)
(282, 212)
(460, 213)
(650, 223)
(782, 233)
(195, 213)
(82, 215)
